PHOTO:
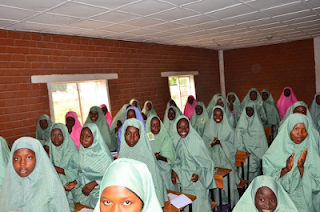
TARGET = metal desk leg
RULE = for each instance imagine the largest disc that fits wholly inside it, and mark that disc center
(248, 169)
(242, 167)
(190, 207)
(220, 199)
(229, 192)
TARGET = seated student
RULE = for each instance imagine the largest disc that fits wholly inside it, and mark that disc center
(315, 109)
(95, 158)
(213, 103)
(219, 136)
(170, 116)
(162, 147)
(271, 109)
(132, 112)
(286, 100)
(31, 183)
(4, 157)
(254, 96)
(43, 131)
(74, 127)
(107, 114)
(251, 138)
(221, 101)
(136, 145)
(293, 159)
(96, 116)
(148, 110)
(127, 185)
(171, 102)
(193, 169)
(190, 106)
(234, 105)
(135, 103)
(200, 118)
(64, 156)
(265, 194)
(298, 107)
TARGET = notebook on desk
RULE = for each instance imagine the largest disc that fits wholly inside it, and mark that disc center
(179, 201)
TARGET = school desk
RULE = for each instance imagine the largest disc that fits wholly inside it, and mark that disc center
(192, 197)
(78, 207)
(240, 160)
(219, 174)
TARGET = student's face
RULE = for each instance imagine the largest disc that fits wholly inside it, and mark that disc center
(183, 128)
(231, 98)
(24, 161)
(287, 92)
(318, 99)
(134, 104)
(300, 109)
(86, 137)
(105, 110)
(171, 114)
(265, 200)
(199, 110)
(220, 103)
(298, 133)
(218, 115)
(149, 106)
(190, 100)
(70, 122)
(119, 199)
(57, 137)
(131, 114)
(132, 136)
(94, 116)
(265, 96)
(43, 124)
(249, 111)
(253, 95)
(155, 126)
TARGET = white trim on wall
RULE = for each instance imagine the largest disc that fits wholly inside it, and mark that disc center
(71, 77)
(178, 73)
(316, 47)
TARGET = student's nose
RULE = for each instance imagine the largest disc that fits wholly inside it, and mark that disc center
(267, 205)
(22, 161)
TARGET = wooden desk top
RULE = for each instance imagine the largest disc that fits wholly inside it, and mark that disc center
(241, 157)
(192, 197)
(218, 176)
(78, 207)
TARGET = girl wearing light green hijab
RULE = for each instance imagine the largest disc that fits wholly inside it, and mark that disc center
(96, 116)
(162, 147)
(252, 198)
(199, 118)
(142, 151)
(43, 129)
(293, 158)
(135, 103)
(33, 185)
(171, 102)
(170, 116)
(271, 110)
(135, 177)
(234, 105)
(221, 101)
(219, 137)
(315, 109)
(4, 157)
(213, 103)
(193, 169)
(251, 138)
(64, 157)
(148, 109)
(95, 158)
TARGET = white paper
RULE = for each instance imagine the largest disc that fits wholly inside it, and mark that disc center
(172, 196)
(86, 210)
(114, 154)
(180, 201)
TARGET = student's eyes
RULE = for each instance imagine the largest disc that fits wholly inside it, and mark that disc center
(127, 134)
(60, 135)
(16, 159)
(262, 200)
(107, 203)
(88, 136)
(273, 201)
(29, 157)
(137, 134)
(128, 202)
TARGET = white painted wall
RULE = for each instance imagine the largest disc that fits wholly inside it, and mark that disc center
(316, 43)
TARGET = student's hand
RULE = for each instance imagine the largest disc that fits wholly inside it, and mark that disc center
(215, 141)
(174, 177)
(59, 170)
(194, 178)
(69, 186)
(86, 190)
(157, 155)
(302, 158)
(289, 165)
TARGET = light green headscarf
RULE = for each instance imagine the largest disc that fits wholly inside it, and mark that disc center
(151, 111)
(315, 109)
(168, 105)
(228, 114)
(44, 135)
(135, 176)
(102, 123)
(252, 138)
(40, 191)
(138, 104)
(236, 104)
(199, 122)
(4, 157)
(193, 158)
(247, 201)
(212, 103)
(305, 191)
(272, 112)
(142, 152)
(94, 161)
(223, 155)
(169, 123)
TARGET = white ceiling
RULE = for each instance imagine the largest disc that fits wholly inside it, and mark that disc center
(214, 24)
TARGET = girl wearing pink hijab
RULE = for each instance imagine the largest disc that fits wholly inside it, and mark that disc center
(107, 114)
(190, 106)
(74, 127)
(286, 100)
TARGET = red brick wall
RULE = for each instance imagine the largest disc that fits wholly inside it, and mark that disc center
(138, 64)
(287, 64)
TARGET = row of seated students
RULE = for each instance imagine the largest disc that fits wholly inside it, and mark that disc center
(178, 154)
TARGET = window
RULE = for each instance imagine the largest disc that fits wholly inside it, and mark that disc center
(181, 86)
(76, 93)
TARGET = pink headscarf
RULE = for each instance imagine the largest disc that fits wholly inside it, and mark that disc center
(76, 129)
(107, 116)
(285, 102)
(189, 109)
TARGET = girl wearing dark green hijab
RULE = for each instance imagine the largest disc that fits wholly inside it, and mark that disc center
(293, 159)
(251, 138)
(199, 118)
